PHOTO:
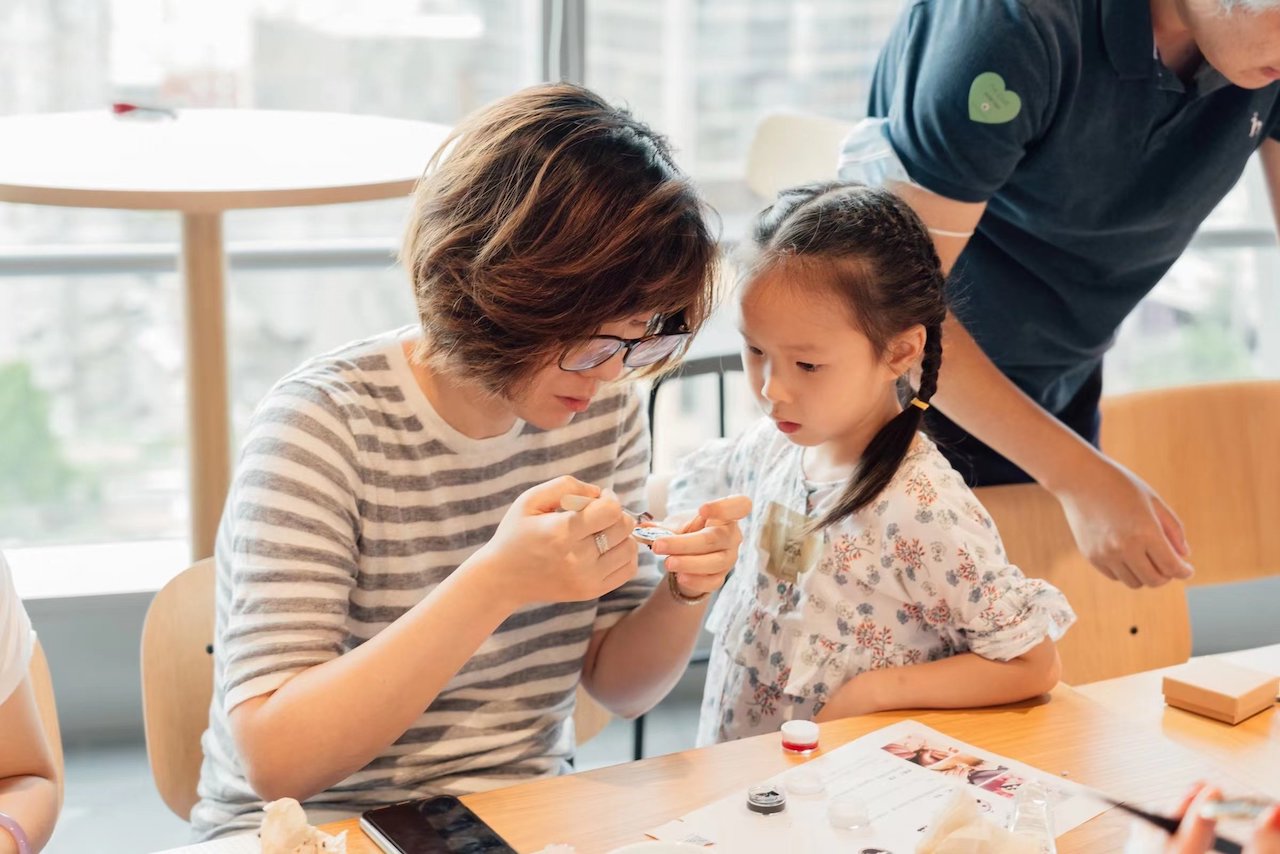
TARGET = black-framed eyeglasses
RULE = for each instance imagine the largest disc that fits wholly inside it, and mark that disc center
(637, 352)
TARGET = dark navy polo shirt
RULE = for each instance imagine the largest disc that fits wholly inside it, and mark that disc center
(1096, 163)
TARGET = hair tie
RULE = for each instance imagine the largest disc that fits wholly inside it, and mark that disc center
(920, 404)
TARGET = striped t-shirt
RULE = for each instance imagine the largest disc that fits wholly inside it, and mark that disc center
(352, 500)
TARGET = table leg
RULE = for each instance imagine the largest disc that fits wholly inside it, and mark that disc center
(208, 420)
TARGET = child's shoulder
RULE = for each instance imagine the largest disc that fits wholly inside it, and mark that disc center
(929, 486)
(924, 462)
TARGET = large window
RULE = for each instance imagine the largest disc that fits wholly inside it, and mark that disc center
(704, 71)
(92, 437)
(92, 415)
(1216, 314)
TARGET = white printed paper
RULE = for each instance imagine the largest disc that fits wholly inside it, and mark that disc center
(240, 843)
(904, 774)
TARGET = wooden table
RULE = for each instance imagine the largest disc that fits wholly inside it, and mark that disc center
(596, 811)
(201, 164)
(1250, 749)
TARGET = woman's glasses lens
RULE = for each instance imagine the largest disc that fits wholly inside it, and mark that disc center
(588, 354)
(650, 350)
(642, 352)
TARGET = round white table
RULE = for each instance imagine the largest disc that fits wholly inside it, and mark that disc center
(200, 164)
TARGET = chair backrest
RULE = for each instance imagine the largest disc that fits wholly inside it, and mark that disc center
(42, 687)
(589, 717)
(1212, 453)
(177, 685)
(793, 148)
(177, 682)
(1119, 631)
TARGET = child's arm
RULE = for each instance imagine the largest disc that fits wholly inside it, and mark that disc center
(941, 553)
(28, 779)
(961, 681)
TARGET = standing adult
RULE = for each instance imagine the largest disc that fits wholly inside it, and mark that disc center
(1063, 154)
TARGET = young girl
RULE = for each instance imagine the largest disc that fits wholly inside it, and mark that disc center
(870, 577)
(402, 607)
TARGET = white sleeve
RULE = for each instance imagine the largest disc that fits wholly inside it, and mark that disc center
(942, 546)
(16, 637)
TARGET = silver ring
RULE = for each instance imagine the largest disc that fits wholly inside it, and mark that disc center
(602, 543)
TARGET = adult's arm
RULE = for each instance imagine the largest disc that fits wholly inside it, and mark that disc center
(340, 714)
(960, 137)
(28, 778)
(1270, 153)
(1120, 524)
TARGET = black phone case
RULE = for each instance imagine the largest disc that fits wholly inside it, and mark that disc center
(439, 825)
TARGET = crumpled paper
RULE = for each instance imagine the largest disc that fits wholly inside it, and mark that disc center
(961, 828)
(285, 831)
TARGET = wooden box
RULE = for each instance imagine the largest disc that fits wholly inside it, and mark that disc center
(1220, 690)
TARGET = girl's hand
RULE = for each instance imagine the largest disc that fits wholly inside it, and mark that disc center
(705, 549)
(539, 554)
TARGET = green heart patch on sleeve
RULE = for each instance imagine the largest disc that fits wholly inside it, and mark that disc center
(990, 102)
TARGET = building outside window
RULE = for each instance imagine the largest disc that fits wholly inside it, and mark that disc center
(91, 374)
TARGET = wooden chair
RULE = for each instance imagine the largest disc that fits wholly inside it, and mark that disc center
(793, 148)
(177, 685)
(1119, 631)
(177, 682)
(42, 687)
(589, 717)
(1212, 453)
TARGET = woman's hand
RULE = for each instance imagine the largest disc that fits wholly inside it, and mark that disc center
(706, 548)
(1123, 527)
(540, 554)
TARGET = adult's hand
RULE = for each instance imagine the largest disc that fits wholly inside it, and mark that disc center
(1123, 527)
(542, 554)
(1120, 524)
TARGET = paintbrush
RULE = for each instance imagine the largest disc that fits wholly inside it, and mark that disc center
(1232, 808)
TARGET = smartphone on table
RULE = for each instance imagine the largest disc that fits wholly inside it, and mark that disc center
(439, 825)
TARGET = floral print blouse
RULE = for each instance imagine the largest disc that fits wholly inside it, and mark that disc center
(918, 575)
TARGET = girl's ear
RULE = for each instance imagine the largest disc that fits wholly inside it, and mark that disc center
(905, 349)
